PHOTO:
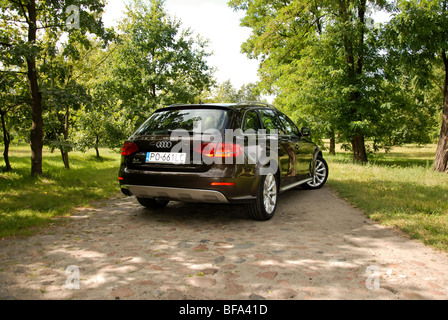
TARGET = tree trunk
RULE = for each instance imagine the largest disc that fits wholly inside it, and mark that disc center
(358, 143)
(359, 148)
(332, 143)
(7, 140)
(64, 155)
(64, 151)
(441, 158)
(354, 70)
(36, 134)
(96, 146)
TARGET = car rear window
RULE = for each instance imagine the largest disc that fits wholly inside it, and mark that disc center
(193, 120)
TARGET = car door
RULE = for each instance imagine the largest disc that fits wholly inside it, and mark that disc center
(286, 154)
(303, 148)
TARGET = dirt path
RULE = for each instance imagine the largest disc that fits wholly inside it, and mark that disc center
(316, 247)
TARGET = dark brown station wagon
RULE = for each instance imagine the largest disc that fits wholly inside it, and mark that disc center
(245, 153)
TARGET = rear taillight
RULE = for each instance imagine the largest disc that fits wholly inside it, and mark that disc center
(222, 183)
(129, 148)
(219, 150)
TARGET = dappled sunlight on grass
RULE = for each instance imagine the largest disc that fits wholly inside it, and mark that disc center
(404, 156)
(398, 191)
(27, 201)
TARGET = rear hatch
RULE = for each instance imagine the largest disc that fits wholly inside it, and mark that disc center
(173, 138)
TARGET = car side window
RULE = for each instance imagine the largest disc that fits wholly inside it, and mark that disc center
(290, 127)
(251, 121)
(271, 122)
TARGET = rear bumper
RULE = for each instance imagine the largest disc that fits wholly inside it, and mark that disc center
(179, 194)
(191, 186)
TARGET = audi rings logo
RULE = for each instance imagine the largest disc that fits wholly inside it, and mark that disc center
(164, 144)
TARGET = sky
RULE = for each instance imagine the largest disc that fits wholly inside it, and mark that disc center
(212, 20)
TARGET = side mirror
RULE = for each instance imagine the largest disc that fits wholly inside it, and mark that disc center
(306, 132)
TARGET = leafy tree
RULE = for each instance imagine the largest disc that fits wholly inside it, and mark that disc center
(321, 56)
(102, 122)
(157, 63)
(13, 97)
(65, 87)
(249, 92)
(417, 36)
(97, 118)
(226, 92)
(21, 44)
(63, 99)
(408, 110)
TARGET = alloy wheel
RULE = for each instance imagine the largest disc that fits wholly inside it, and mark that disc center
(320, 174)
(269, 193)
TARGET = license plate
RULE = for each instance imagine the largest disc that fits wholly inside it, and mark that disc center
(165, 157)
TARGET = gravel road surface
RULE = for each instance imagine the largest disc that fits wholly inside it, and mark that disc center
(316, 247)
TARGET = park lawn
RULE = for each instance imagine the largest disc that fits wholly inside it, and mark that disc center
(27, 203)
(398, 189)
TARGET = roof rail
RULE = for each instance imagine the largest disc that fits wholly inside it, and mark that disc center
(241, 103)
(177, 104)
(255, 103)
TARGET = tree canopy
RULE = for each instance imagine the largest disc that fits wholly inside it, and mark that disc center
(332, 67)
(157, 62)
(69, 83)
(32, 28)
(418, 38)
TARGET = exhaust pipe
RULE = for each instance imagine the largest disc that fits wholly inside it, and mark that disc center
(126, 192)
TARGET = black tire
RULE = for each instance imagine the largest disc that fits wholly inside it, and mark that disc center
(152, 204)
(263, 208)
(320, 175)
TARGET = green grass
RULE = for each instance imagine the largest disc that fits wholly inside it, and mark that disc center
(397, 189)
(27, 203)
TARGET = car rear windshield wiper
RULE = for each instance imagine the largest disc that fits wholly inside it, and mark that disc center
(191, 132)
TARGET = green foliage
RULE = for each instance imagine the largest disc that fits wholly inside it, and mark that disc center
(326, 62)
(14, 100)
(51, 18)
(31, 32)
(156, 63)
(416, 37)
(101, 126)
(331, 68)
(226, 93)
(90, 92)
